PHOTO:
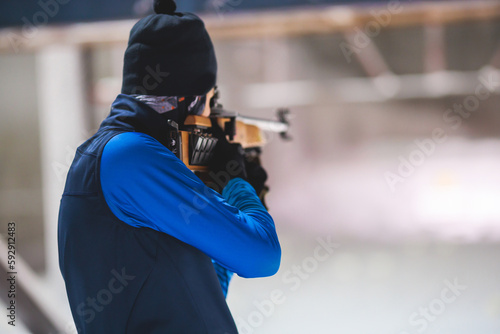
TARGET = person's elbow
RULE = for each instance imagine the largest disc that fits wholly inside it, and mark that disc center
(265, 264)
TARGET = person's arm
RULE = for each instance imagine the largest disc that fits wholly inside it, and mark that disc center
(145, 185)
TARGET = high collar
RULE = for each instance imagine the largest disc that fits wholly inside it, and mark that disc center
(130, 114)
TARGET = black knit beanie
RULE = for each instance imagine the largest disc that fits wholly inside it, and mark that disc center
(169, 54)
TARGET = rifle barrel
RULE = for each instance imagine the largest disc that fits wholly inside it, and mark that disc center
(265, 124)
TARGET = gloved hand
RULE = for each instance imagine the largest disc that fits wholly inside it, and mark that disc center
(256, 176)
(228, 160)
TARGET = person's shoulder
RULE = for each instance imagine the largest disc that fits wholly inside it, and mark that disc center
(132, 140)
(134, 146)
(128, 142)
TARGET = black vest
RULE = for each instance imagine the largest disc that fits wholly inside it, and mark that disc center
(121, 279)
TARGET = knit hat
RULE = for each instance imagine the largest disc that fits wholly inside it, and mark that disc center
(169, 54)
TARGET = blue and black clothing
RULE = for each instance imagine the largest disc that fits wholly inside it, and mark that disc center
(140, 234)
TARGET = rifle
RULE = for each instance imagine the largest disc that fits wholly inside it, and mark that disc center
(193, 143)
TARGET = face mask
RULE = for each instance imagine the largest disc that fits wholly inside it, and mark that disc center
(166, 104)
(197, 105)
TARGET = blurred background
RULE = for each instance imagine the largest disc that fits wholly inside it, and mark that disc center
(386, 200)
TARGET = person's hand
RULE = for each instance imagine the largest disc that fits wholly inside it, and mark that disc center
(256, 176)
(228, 160)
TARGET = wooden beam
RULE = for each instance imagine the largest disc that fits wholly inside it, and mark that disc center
(283, 23)
(344, 18)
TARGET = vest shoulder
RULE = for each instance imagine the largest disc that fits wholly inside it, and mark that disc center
(82, 175)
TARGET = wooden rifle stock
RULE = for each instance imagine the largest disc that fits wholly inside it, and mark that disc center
(197, 142)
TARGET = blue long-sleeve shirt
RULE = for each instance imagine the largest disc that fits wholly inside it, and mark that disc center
(145, 185)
